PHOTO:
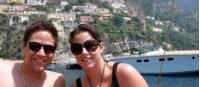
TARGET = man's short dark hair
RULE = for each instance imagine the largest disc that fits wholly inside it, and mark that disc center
(40, 25)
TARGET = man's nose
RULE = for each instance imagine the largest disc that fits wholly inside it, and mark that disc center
(41, 52)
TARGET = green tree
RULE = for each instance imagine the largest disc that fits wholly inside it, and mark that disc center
(3, 19)
(118, 21)
(34, 17)
(41, 8)
(46, 8)
(11, 43)
(67, 8)
(81, 2)
(182, 40)
(106, 5)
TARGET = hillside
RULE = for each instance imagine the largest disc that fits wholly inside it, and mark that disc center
(177, 27)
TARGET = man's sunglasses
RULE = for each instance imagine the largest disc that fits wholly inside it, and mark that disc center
(90, 46)
(35, 46)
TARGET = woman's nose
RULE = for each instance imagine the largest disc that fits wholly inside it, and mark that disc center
(84, 51)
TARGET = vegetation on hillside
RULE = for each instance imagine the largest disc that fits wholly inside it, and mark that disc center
(186, 20)
(116, 29)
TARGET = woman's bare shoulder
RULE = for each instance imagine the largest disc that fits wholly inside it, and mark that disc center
(126, 67)
(126, 70)
(128, 76)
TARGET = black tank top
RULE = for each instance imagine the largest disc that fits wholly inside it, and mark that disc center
(114, 78)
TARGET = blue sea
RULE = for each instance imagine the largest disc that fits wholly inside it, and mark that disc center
(186, 80)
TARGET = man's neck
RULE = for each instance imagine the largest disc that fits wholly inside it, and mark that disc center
(29, 73)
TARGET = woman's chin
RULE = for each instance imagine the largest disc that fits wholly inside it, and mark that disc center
(89, 65)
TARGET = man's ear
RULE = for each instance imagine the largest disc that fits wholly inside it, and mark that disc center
(23, 47)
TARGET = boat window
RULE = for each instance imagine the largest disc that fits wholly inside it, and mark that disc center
(162, 59)
(146, 60)
(170, 59)
(193, 57)
(139, 61)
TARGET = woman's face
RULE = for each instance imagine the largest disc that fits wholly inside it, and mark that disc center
(39, 50)
(87, 58)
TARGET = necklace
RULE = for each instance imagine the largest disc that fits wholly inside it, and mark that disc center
(101, 77)
(26, 83)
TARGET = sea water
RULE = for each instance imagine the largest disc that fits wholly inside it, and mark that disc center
(187, 80)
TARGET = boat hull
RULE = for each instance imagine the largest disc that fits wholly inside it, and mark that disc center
(73, 66)
(167, 64)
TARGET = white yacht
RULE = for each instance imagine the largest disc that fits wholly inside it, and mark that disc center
(164, 62)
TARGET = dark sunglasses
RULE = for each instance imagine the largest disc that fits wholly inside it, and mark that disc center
(35, 46)
(90, 46)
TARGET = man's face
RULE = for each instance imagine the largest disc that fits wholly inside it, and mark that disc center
(39, 50)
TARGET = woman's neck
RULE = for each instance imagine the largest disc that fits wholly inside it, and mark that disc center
(96, 70)
(96, 75)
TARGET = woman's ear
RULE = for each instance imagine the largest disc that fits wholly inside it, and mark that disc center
(102, 46)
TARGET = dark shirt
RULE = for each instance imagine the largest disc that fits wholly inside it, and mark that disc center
(114, 78)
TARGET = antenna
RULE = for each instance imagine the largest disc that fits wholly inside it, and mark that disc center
(171, 9)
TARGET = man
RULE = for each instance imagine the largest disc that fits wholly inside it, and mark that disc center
(39, 45)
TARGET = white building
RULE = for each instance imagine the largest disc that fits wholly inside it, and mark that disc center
(36, 2)
(119, 7)
(87, 9)
(155, 29)
(63, 3)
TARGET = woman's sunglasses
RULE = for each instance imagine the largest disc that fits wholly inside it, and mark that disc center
(90, 46)
(35, 46)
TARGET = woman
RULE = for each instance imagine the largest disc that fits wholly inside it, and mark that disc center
(87, 47)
